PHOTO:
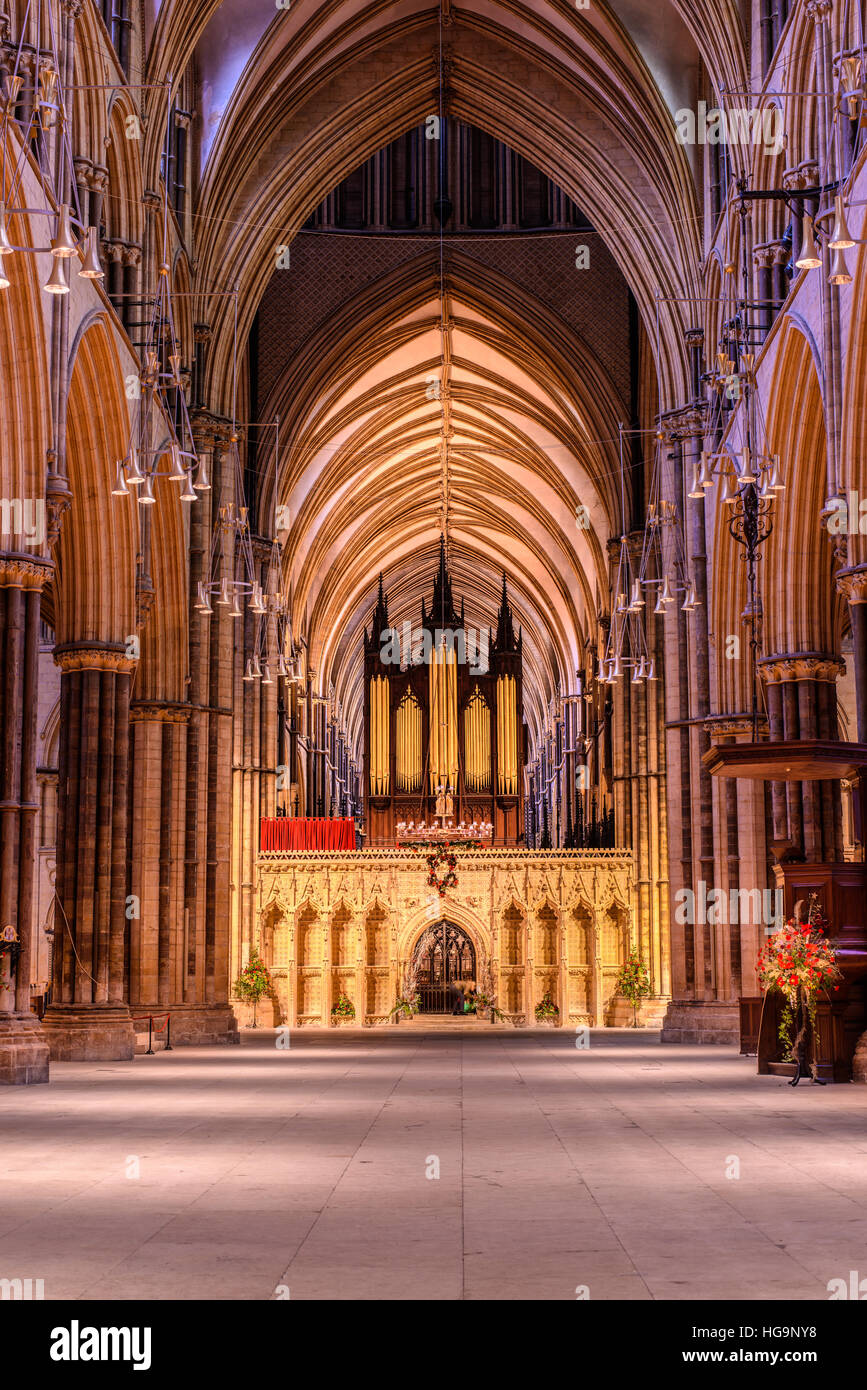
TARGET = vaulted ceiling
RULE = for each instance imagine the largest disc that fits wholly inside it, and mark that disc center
(290, 104)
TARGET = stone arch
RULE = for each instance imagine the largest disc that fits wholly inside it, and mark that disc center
(377, 933)
(463, 916)
(799, 617)
(343, 935)
(25, 402)
(309, 934)
(513, 933)
(546, 934)
(94, 597)
(371, 103)
(853, 442)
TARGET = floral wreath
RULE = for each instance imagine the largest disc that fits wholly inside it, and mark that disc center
(442, 858)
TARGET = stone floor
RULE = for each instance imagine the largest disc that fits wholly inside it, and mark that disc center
(237, 1172)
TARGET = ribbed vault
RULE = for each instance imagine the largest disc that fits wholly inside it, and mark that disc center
(326, 87)
(528, 414)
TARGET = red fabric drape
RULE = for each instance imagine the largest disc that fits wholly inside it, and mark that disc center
(283, 833)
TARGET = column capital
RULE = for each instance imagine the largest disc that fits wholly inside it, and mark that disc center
(763, 255)
(24, 571)
(158, 712)
(93, 656)
(97, 180)
(208, 429)
(801, 666)
(852, 583)
(687, 422)
(818, 10)
(58, 499)
(732, 725)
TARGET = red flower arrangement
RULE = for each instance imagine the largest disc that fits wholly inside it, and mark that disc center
(799, 961)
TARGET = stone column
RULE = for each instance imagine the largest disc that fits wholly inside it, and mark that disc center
(203, 1012)
(804, 707)
(23, 1047)
(763, 258)
(852, 583)
(158, 779)
(88, 1018)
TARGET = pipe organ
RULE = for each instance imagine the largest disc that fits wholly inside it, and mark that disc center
(443, 714)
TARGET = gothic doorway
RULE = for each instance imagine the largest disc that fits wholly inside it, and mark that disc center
(446, 958)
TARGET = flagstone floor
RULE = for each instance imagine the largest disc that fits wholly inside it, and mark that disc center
(436, 1164)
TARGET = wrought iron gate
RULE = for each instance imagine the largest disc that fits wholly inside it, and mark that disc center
(448, 962)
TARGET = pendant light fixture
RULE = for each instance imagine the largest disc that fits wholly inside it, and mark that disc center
(840, 239)
(58, 282)
(120, 488)
(839, 270)
(809, 259)
(189, 493)
(91, 270)
(64, 244)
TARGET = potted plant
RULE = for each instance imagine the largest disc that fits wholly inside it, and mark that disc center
(547, 1012)
(633, 983)
(406, 1008)
(486, 1008)
(252, 983)
(342, 1010)
(799, 961)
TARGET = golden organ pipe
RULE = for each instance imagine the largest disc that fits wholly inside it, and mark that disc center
(379, 712)
(507, 736)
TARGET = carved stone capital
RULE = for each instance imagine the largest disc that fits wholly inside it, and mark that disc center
(202, 332)
(818, 10)
(97, 180)
(210, 431)
(151, 200)
(852, 584)
(801, 666)
(93, 656)
(131, 254)
(687, 422)
(763, 255)
(24, 572)
(83, 168)
(155, 712)
(58, 500)
(145, 597)
(794, 179)
(732, 725)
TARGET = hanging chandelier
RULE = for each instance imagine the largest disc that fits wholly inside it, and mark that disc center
(626, 646)
(33, 114)
(232, 583)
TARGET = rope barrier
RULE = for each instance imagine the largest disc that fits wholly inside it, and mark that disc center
(167, 1024)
